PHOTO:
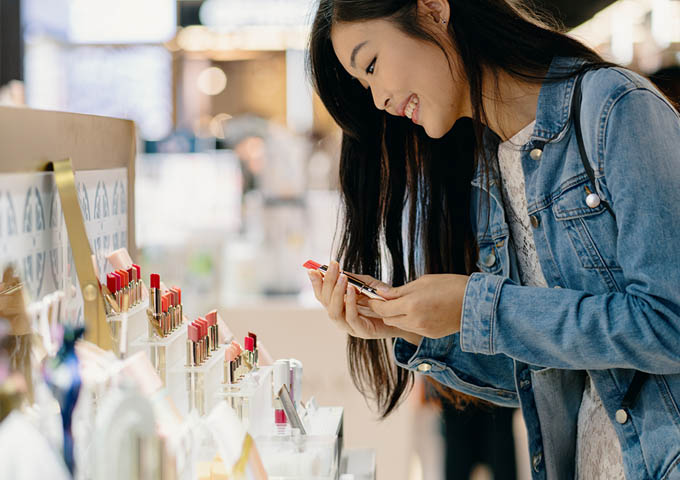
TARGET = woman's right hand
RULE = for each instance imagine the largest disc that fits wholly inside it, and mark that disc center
(349, 310)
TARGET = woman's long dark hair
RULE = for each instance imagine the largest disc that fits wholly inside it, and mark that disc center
(389, 167)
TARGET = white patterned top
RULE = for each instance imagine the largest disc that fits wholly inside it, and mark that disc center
(598, 452)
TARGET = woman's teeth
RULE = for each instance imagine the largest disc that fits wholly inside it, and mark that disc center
(411, 107)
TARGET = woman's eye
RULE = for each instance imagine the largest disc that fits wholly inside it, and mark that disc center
(371, 67)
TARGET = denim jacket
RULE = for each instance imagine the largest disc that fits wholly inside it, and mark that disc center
(613, 305)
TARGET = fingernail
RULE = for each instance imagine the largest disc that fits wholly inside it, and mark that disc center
(310, 273)
(340, 279)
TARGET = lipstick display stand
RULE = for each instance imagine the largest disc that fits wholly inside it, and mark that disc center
(202, 381)
(131, 325)
(163, 352)
(251, 398)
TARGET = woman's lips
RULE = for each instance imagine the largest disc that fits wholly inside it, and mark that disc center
(402, 108)
(416, 114)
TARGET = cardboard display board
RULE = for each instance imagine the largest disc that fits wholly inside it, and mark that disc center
(33, 232)
(29, 139)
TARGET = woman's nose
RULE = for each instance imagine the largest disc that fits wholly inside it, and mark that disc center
(380, 99)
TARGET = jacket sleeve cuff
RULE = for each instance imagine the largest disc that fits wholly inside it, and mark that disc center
(432, 352)
(479, 313)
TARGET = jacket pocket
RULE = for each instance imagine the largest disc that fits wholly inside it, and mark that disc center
(489, 258)
(493, 249)
(591, 231)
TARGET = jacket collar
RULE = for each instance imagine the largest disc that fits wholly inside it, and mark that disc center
(552, 113)
(554, 100)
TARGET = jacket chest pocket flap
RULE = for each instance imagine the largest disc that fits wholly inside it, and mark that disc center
(591, 230)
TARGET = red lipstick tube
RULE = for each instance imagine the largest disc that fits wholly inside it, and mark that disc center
(155, 298)
(256, 356)
(131, 272)
(249, 346)
(111, 284)
(360, 286)
(119, 289)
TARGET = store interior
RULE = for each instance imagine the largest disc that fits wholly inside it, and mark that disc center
(201, 154)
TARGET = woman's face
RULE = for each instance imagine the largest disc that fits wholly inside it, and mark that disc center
(407, 77)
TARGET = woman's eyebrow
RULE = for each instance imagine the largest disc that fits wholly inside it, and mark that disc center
(354, 53)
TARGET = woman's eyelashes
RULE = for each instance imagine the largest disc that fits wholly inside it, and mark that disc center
(371, 67)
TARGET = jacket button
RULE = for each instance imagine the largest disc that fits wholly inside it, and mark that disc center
(621, 416)
(536, 461)
(424, 367)
(490, 260)
(536, 154)
(535, 221)
(593, 200)
(525, 384)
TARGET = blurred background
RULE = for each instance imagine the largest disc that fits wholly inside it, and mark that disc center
(236, 176)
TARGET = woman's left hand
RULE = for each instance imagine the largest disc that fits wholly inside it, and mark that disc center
(429, 306)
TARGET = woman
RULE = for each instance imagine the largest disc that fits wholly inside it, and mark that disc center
(537, 268)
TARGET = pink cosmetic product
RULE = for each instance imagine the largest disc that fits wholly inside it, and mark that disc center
(201, 356)
(180, 313)
(237, 346)
(119, 259)
(173, 309)
(209, 338)
(204, 337)
(230, 356)
(281, 378)
(192, 345)
(211, 317)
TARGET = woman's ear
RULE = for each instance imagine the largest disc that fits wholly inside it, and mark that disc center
(436, 11)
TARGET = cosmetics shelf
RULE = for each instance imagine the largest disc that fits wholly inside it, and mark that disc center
(199, 383)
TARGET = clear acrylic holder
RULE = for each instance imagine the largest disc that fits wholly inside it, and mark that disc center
(315, 456)
(202, 381)
(163, 351)
(136, 327)
(251, 398)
